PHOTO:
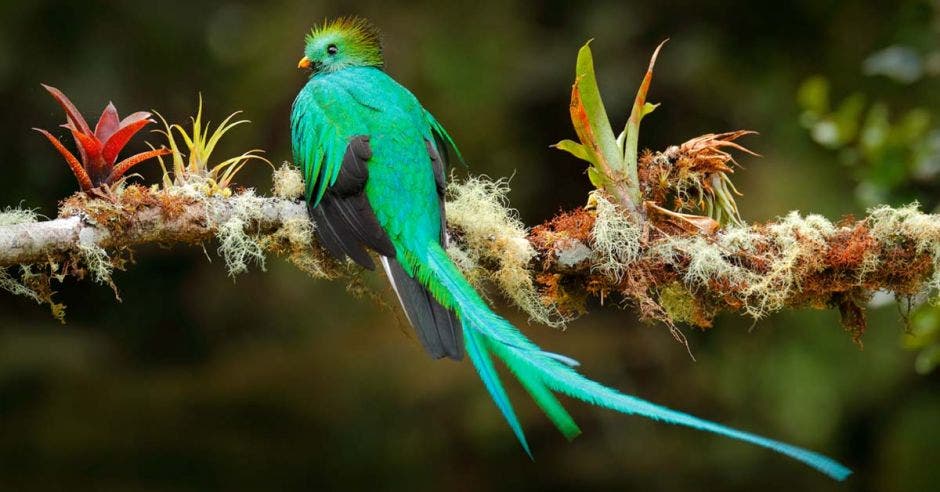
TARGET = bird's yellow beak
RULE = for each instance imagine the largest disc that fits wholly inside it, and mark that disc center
(304, 63)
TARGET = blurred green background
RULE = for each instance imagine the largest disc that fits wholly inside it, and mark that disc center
(275, 381)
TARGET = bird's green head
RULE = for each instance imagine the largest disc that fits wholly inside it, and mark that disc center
(341, 43)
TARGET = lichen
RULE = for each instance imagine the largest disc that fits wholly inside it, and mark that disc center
(288, 182)
(97, 262)
(574, 253)
(760, 267)
(616, 238)
(468, 267)
(15, 215)
(35, 283)
(491, 234)
(9, 282)
(707, 261)
(15, 286)
(799, 245)
(238, 247)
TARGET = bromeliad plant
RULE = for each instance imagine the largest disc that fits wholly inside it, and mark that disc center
(99, 149)
(613, 160)
(695, 174)
(200, 143)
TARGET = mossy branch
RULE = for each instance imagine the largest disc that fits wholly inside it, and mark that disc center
(136, 217)
(793, 262)
(670, 274)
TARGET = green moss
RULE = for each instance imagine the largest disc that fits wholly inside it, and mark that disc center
(678, 303)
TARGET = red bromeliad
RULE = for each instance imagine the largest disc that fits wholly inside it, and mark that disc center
(99, 149)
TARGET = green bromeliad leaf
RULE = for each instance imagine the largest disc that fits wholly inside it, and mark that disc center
(590, 118)
(597, 179)
(575, 149)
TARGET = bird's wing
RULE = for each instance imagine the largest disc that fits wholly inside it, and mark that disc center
(439, 166)
(331, 146)
(344, 218)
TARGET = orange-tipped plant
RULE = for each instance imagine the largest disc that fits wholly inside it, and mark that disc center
(613, 160)
(99, 148)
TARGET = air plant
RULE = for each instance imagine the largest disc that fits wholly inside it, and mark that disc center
(695, 177)
(99, 149)
(699, 175)
(199, 144)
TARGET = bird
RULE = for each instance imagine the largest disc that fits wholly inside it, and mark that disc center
(374, 163)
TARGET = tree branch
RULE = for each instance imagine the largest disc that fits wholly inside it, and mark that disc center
(137, 217)
(671, 274)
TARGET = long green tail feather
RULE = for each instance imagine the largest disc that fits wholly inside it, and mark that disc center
(542, 395)
(476, 349)
(541, 372)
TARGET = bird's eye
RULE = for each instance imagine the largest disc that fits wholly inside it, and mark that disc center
(332, 49)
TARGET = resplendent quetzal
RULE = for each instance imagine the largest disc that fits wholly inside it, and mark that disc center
(374, 164)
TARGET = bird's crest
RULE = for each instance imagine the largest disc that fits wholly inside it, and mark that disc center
(362, 38)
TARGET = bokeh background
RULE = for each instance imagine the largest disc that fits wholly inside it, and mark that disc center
(274, 381)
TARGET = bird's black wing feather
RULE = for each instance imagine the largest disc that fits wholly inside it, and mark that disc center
(346, 223)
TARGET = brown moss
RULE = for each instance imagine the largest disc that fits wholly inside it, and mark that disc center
(852, 315)
(172, 207)
(563, 294)
(902, 269)
(119, 211)
(653, 173)
(576, 224)
(668, 274)
(558, 233)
